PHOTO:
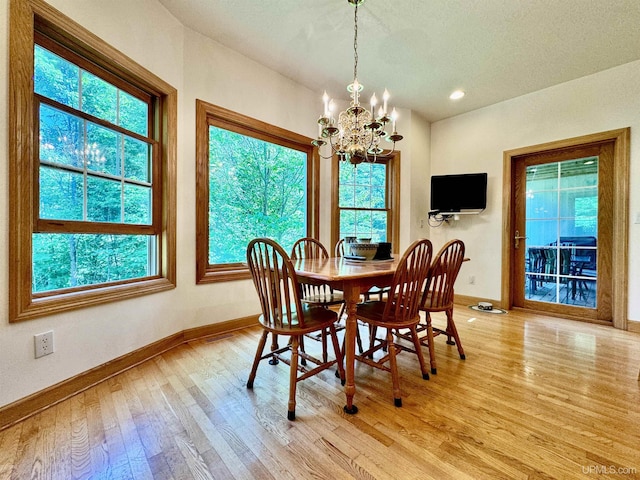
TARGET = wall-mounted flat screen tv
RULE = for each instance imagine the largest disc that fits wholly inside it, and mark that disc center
(459, 193)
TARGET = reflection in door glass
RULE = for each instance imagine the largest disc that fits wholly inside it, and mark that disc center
(562, 232)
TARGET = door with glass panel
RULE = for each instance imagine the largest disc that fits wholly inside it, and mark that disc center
(563, 235)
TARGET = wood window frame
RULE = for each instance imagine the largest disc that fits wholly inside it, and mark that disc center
(207, 115)
(29, 18)
(392, 197)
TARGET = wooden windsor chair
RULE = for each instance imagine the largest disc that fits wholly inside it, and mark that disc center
(398, 311)
(283, 313)
(438, 297)
(322, 295)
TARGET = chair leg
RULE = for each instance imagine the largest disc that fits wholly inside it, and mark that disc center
(418, 348)
(301, 344)
(452, 331)
(256, 360)
(358, 338)
(373, 330)
(393, 366)
(432, 351)
(293, 378)
(323, 339)
(338, 353)
(274, 346)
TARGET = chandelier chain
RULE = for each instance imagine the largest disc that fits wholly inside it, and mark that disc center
(355, 43)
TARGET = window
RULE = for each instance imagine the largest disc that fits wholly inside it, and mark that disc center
(253, 180)
(366, 202)
(94, 174)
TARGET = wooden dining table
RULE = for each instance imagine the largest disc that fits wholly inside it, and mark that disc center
(352, 278)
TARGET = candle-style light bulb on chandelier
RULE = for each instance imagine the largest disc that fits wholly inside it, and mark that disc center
(358, 132)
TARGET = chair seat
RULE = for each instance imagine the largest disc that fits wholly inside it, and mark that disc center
(315, 318)
(372, 312)
(324, 298)
(434, 304)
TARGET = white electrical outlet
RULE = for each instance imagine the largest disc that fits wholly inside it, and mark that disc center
(43, 343)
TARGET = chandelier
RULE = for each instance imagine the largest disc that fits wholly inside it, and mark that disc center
(357, 134)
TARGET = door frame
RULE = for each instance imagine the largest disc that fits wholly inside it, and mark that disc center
(620, 207)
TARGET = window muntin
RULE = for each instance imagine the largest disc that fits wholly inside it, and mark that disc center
(254, 180)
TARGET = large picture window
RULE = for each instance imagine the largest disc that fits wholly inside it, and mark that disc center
(254, 180)
(91, 139)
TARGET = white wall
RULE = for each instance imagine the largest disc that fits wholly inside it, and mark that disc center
(198, 68)
(475, 142)
(417, 181)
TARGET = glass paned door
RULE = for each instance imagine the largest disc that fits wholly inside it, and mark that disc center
(561, 244)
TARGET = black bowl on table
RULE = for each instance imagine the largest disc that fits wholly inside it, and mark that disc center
(383, 252)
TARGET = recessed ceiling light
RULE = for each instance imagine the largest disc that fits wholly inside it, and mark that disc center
(457, 95)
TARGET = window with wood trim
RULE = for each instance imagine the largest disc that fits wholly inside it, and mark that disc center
(365, 200)
(253, 180)
(92, 162)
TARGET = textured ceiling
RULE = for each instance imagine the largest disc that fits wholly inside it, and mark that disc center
(422, 50)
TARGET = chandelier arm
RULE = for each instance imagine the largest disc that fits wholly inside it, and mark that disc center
(391, 152)
(334, 148)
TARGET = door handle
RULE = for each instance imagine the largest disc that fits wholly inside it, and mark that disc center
(517, 239)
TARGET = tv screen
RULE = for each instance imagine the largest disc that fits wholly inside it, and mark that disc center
(457, 193)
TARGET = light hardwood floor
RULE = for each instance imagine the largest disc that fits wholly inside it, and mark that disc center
(537, 397)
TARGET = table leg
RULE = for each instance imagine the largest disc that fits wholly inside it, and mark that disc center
(351, 296)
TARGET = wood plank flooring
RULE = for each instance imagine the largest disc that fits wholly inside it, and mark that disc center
(537, 397)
